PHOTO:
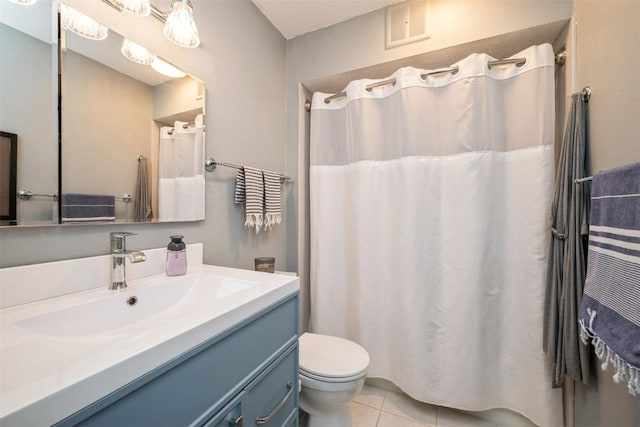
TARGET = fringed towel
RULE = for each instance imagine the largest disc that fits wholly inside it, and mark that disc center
(610, 310)
(253, 197)
(240, 195)
(260, 192)
(273, 215)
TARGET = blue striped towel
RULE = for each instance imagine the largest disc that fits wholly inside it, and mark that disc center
(88, 207)
(610, 310)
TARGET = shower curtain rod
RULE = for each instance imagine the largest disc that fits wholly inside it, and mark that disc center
(210, 165)
(560, 59)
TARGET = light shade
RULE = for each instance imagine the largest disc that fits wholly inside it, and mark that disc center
(81, 24)
(134, 7)
(136, 53)
(25, 2)
(180, 27)
(167, 69)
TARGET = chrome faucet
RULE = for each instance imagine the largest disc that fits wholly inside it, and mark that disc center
(119, 254)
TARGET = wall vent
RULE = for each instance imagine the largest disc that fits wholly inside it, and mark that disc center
(407, 22)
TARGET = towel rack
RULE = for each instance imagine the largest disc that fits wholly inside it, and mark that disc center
(583, 180)
(210, 165)
(26, 194)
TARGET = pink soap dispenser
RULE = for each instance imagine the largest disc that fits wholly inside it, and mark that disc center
(176, 257)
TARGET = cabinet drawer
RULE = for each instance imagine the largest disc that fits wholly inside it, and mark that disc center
(273, 395)
(194, 386)
(231, 415)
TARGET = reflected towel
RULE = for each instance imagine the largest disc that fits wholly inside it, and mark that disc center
(88, 207)
(272, 202)
(609, 313)
(142, 202)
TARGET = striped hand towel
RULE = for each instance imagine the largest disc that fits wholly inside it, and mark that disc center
(88, 207)
(254, 198)
(272, 203)
(240, 194)
(610, 310)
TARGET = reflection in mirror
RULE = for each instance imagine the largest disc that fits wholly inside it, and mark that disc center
(8, 170)
(28, 105)
(132, 138)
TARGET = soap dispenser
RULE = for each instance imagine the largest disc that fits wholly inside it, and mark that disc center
(176, 257)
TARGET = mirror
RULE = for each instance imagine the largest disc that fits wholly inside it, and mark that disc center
(132, 138)
(28, 106)
(116, 117)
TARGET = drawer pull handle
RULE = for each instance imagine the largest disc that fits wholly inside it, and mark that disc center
(238, 422)
(264, 420)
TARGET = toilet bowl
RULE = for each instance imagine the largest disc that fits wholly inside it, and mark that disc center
(332, 372)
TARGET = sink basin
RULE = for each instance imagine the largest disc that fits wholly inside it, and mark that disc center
(68, 341)
(108, 312)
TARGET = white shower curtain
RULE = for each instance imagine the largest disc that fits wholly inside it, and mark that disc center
(429, 230)
(181, 172)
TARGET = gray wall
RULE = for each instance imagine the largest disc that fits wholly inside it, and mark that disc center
(28, 96)
(242, 62)
(608, 59)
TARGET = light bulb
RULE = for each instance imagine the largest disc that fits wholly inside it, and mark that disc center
(136, 53)
(180, 27)
(81, 24)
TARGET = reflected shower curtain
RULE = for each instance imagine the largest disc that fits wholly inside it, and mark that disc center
(181, 172)
(429, 230)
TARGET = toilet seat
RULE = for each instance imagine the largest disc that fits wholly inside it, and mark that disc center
(331, 359)
(309, 375)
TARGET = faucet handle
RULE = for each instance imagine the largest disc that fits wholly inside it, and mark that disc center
(121, 234)
(118, 240)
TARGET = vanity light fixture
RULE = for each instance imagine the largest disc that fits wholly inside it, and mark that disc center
(81, 24)
(24, 2)
(167, 69)
(134, 7)
(136, 53)
(179, 26)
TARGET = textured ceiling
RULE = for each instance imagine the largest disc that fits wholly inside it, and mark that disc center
(296, 17)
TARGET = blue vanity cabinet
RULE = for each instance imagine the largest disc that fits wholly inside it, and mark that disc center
(271, 399)
(238, 378)
(273, 396)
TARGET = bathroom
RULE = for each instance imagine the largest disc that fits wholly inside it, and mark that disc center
(255, 82)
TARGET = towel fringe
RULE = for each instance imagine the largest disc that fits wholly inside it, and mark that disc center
(625, 372)
(272, 219)
(254, 220)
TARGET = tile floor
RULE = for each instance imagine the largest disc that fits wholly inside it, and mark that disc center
(375, 407)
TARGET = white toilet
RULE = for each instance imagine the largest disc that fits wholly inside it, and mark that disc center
(332, 372)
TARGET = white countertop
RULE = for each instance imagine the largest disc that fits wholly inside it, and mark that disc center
(45, 378)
